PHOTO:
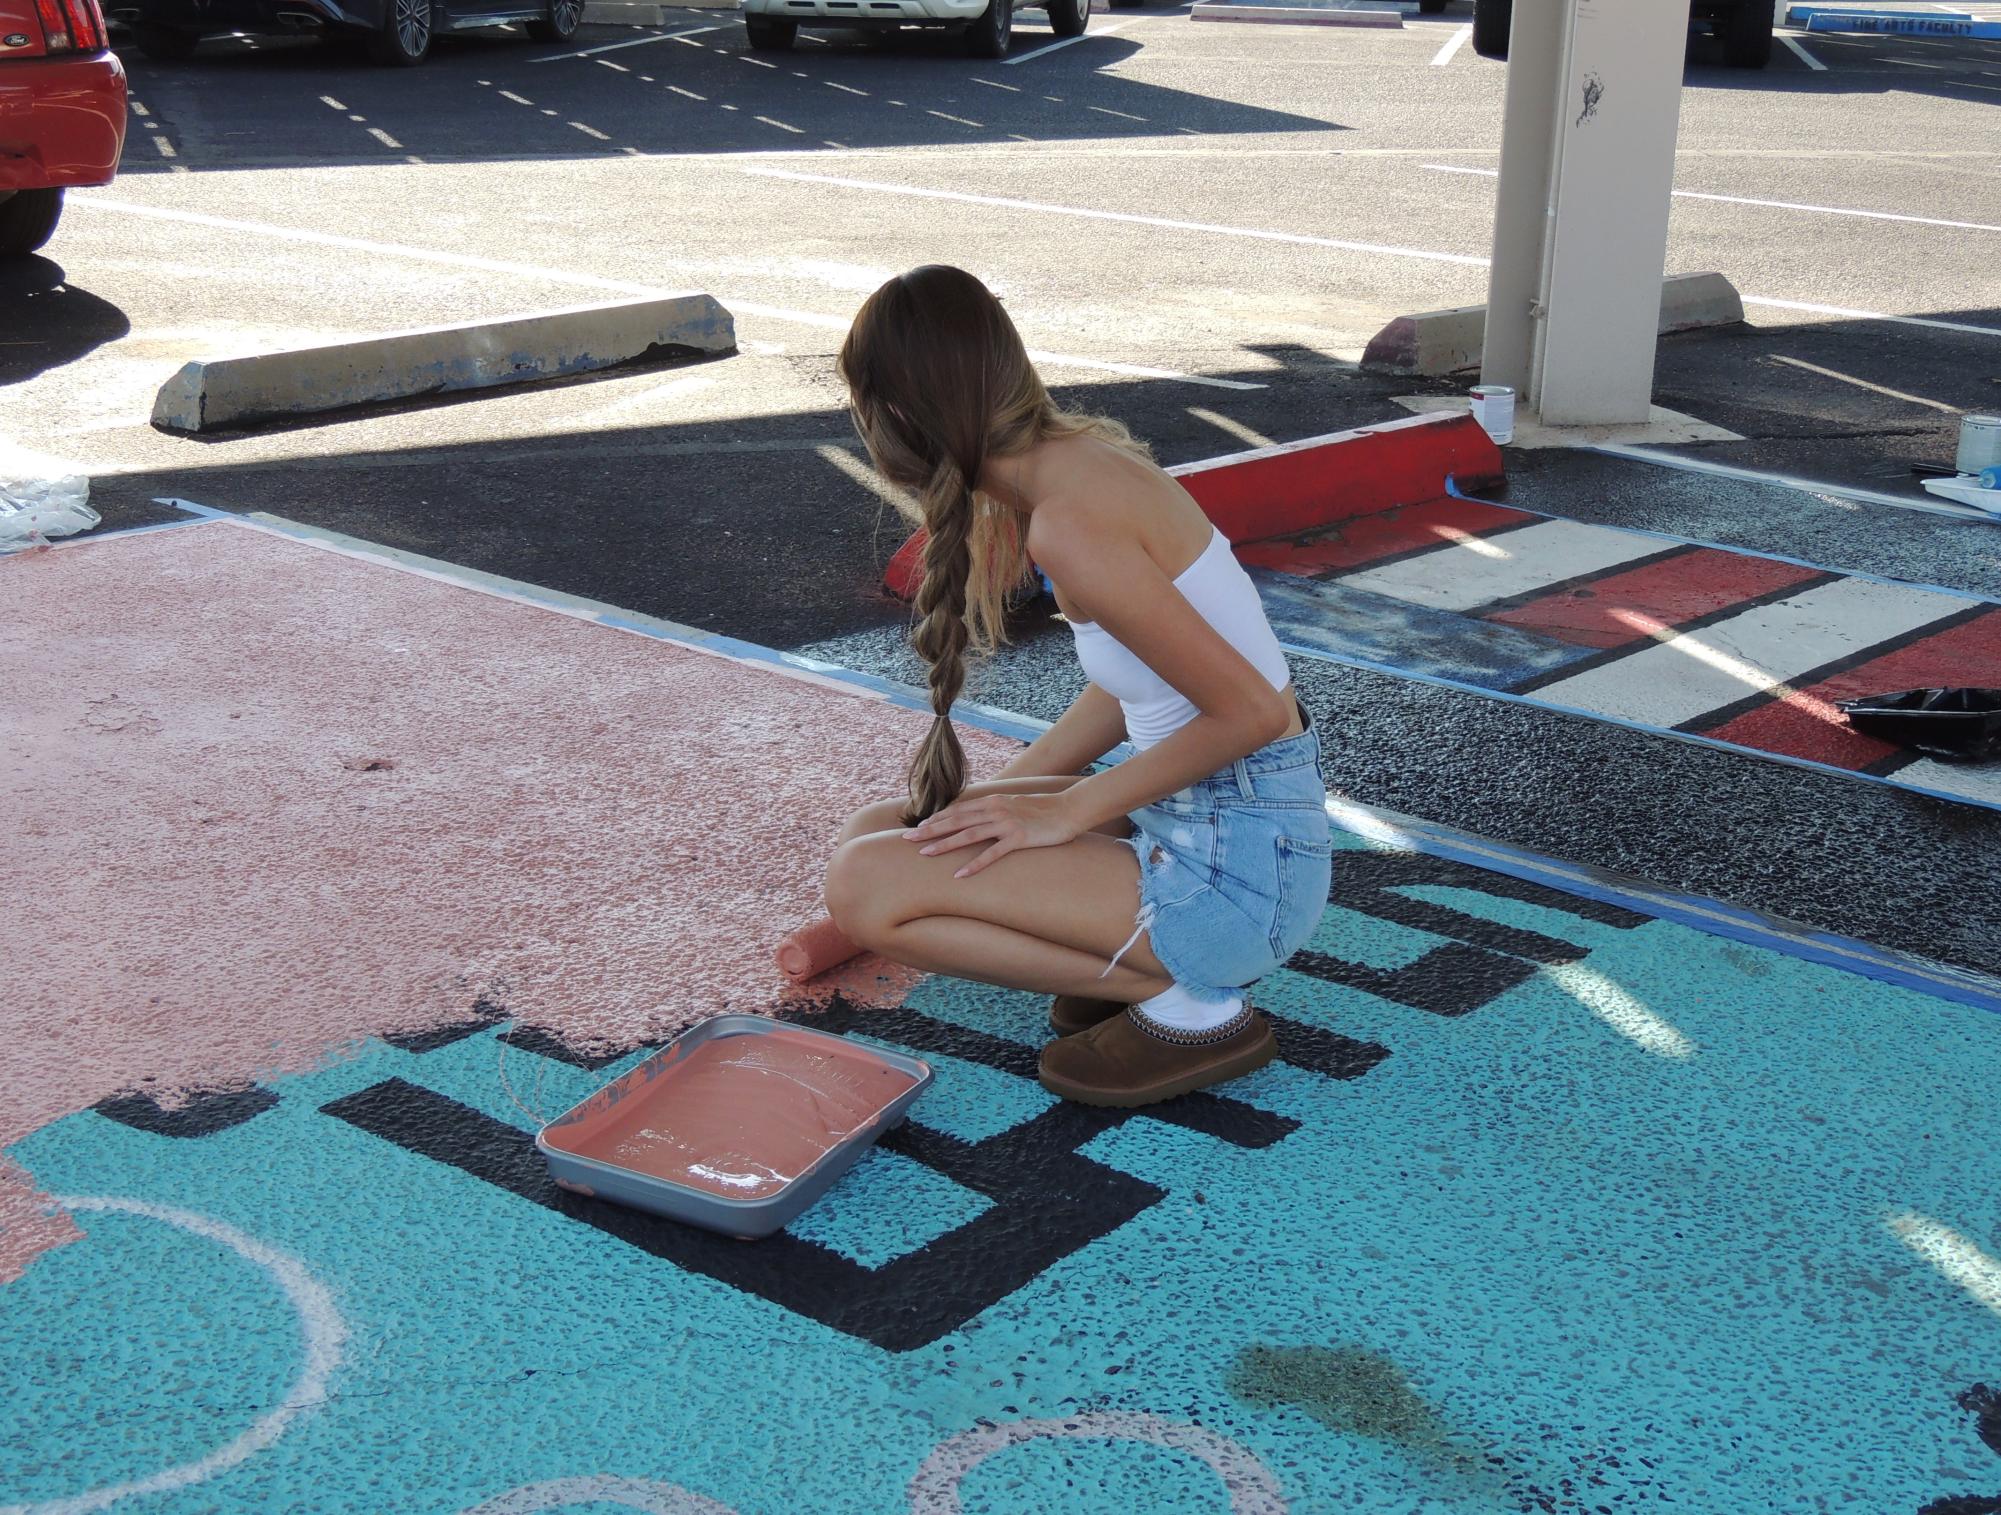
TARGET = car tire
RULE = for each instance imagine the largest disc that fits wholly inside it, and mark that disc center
(404, 38)
(561, 24)
(1068, 18)
(1747, 35)
(988, 37)
(768, 35)
(1491, 20)
(27, 220)
(166, 44)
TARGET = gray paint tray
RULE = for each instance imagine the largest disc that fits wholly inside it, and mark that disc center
(738, 1124)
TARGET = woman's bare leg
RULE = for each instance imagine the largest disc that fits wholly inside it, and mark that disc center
(1044, 918)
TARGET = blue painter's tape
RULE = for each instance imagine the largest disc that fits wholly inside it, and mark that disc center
(1693, 910)
(1337, 620)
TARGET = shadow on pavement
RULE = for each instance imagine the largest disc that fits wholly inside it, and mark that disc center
(49, 322)
(294, 102)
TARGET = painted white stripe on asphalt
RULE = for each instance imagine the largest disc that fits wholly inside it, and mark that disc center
(1472, 573)
(1804, 56)
(1296, 239)
(1085, 213)
(1824, 210)
(1788, 481)
(588, 281)
(1689, 673)
(1102, 31)
(1966, 781)
(1049, 359)
(1873, 315)
(612, 47)
(1452, 45)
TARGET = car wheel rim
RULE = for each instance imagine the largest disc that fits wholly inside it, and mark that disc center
(413, 25)
(568, 13)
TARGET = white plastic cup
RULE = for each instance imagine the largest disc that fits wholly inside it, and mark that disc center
(1494, 409)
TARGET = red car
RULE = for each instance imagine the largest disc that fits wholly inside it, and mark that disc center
(62, 113)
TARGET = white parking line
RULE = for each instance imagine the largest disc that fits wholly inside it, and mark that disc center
(1001, 202)
(1103, 31)
(1050, 359)
(1873, 315)
(1804, 56)
(1452, 45)
(582, 280)
(1824, 210)
(612, 47)
(1297, 239)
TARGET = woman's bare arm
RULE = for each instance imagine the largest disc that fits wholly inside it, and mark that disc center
(1111, 578)
(1090, 728)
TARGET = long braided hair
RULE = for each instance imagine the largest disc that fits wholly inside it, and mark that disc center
(940, 385)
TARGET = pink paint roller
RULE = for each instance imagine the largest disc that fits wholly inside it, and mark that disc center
(814, 948)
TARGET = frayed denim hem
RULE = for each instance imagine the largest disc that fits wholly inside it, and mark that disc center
(1152, 871)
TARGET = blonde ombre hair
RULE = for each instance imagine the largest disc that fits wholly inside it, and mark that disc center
(940, 386)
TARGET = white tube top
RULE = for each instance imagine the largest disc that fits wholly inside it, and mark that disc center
(1224, 596)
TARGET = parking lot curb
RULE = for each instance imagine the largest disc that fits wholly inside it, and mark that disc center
(217, 392)
(1293, 488)
(1438, 342)
(1292, 15)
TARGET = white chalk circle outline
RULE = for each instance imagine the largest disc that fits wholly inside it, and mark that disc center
(1252, 1488)
(322, 1334)
(602, 1488)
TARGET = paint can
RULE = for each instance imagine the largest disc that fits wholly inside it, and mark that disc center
(1494, 409)
(1979, 443)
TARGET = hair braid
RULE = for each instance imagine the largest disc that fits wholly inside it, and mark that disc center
(938, 772)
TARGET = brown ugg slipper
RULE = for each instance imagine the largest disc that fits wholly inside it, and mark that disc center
(1127, 1060)
(1071, 1013)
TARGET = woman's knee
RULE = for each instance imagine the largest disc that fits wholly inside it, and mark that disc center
(857, 888)
(883, 815)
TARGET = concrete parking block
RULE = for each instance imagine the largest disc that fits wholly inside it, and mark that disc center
(1294, 15)
(218, 392)
(1450, 341)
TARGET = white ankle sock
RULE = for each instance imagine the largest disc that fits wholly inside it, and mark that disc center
(1182, 1011)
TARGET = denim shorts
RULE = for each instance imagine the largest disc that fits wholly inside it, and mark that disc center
(1234, 870)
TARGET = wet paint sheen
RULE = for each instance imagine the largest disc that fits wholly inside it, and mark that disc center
(743, 1116)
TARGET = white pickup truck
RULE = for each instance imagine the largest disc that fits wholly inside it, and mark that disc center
(986, 25)
(1743, 26)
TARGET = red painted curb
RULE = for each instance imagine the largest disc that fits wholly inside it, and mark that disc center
(1298, 487)
(906, 568)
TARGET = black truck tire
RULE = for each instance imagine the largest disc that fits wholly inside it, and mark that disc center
(1491, 20)
(1747, 35)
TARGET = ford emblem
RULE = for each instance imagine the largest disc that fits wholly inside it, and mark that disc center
(15, 39)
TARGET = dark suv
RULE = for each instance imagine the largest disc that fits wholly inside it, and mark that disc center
(397, 31)
(1743, 26)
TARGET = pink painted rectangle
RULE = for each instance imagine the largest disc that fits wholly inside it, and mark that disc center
(1671, 592)
(1806, 724)
(1364, 540)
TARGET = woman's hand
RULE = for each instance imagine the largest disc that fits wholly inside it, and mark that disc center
(1007, 821)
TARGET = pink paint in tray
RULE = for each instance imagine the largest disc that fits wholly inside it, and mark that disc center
(738, 1125)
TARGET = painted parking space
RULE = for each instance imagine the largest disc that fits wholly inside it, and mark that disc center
(1638, 628)
(1551, 1203)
